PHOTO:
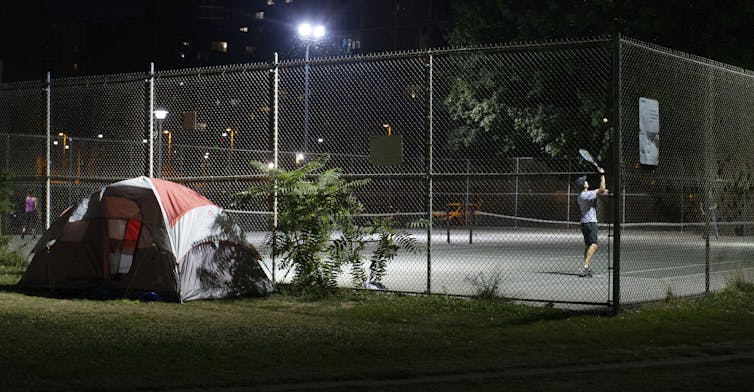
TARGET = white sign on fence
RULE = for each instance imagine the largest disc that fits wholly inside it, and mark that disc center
(649, 131)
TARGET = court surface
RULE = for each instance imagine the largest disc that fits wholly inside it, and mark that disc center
(541, 264)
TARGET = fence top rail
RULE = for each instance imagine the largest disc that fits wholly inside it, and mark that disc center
(528, 45)
(214, 70)
(688, 57)
(23, 85)
(100, 79)
(417, 53)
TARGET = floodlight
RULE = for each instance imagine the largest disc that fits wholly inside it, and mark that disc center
(305, 30)
(319, 31)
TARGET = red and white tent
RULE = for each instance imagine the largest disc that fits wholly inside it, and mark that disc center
(146, 235)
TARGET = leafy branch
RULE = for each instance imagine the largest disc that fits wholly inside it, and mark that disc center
(317, 234)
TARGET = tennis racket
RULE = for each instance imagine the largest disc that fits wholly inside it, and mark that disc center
(586, 156)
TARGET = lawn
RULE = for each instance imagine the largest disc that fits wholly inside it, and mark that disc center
(370, 340)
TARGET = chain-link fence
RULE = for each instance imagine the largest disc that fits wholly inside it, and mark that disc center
(688, 218)
(488, 157)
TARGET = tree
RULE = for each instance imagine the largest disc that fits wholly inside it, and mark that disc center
(511, 102)
(545, 105)
(700, 27)
(318, 232)
(529, 103)
(497, 21)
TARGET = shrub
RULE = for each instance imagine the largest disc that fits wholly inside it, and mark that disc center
(5, 193)
(12, 260)
(317, 233)
(741, 281)
(485, 287)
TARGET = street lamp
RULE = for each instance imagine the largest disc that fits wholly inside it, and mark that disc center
(309, 34)
(160, 115)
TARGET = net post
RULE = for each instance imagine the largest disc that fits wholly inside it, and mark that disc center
(466, 202)
(447, 223)
(616, 167)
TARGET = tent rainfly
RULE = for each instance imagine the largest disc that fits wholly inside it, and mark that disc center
(146, 236)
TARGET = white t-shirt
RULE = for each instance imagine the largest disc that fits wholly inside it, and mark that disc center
(587, 204)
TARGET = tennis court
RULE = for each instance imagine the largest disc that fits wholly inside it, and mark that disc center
(538, 260)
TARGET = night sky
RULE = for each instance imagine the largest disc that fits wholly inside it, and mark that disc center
(86, 37)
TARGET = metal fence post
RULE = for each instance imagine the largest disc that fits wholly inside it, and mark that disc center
(275, 156)
(151, 120)
(429, 170)
(48, 192)
(710, 177)
(617, 166)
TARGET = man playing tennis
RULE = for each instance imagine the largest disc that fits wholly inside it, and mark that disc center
(588, 205)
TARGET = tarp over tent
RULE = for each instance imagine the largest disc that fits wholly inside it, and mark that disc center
(143, 236)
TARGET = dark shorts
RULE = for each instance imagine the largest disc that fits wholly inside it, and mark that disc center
(590, 233)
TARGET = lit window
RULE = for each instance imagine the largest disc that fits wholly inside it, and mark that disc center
(244, 29)
(288, 1)
(220, 46)
(186, 43)
(270, 2)
(356, 44)
(259, 15)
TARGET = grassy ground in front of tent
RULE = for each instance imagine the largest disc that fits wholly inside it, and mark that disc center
(370, 341)
(360, 339)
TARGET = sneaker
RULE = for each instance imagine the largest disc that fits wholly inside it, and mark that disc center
(589, 272)
(582, 272)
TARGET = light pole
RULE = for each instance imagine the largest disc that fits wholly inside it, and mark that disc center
(160, 115)
(309, 34)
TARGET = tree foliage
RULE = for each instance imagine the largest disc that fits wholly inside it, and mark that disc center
(507, 101)
(548, 107)
(700, 27)
(318, 231)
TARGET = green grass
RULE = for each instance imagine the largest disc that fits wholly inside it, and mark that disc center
(359, 337)
(64, 344)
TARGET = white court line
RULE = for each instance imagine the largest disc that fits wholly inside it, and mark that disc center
(681, 267)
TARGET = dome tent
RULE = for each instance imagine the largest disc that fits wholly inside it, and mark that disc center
(146, 235)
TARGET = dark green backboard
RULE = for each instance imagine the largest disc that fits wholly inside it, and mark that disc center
(386, 150)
